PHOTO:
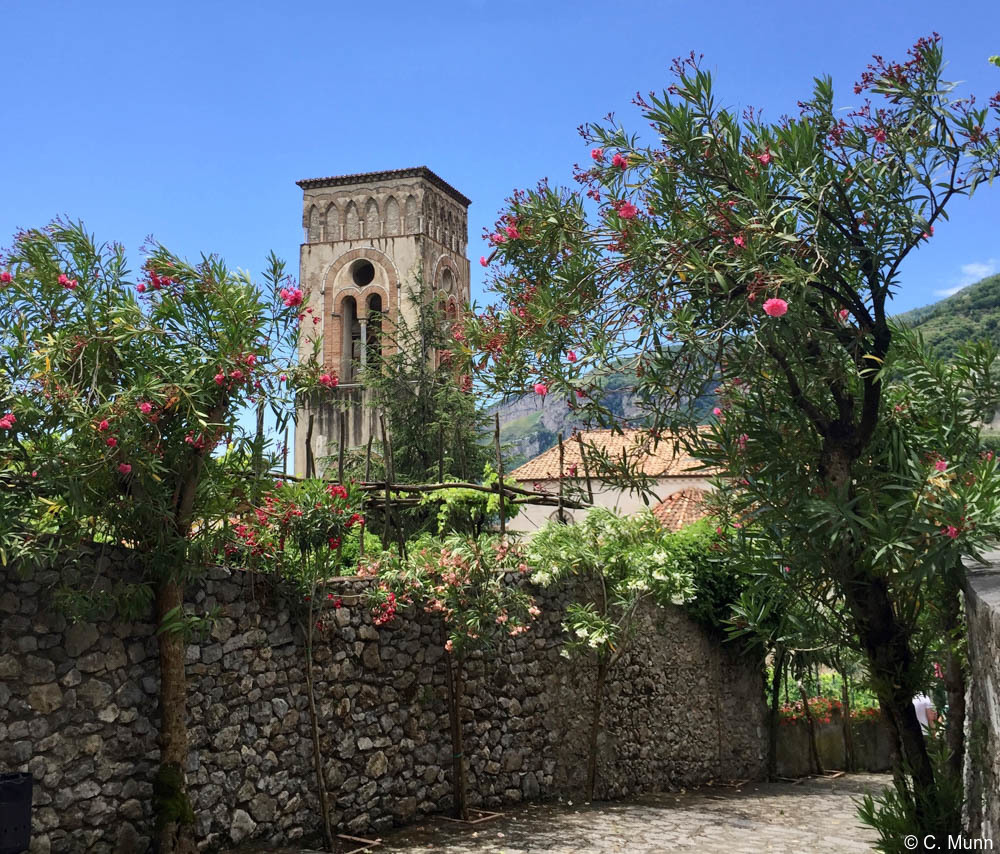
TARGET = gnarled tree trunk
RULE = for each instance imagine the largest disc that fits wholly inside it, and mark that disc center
(456, 686)
(595, 725)
(171, 804)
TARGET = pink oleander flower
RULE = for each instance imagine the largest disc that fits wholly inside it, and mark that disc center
(879, 135)
(627, 210)
(111, 442)
(765, 158)
(291, 297)
(842, 315)
(619, 160)
(145, 407)
(8, 421)
(941, 465)
(534, 611)
(512, 232)
(597, 153)
(220, 378)
(328, 380)
(483, 261)
(541, 389)
(141, 288)
(739, 241)
(775, 307)
(237, 375)
(104, 425)
(950, 531)
(741, 441)
(571, 356)
(125, 468)
(717, 412)
(449, 646)
(497, 238)
(5, 278)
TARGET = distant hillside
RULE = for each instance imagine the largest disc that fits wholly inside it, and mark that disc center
(531, 424)
(973, 313)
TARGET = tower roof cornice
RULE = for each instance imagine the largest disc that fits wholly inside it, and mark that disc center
(392, 174)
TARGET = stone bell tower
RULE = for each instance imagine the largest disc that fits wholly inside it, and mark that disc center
(368, 238)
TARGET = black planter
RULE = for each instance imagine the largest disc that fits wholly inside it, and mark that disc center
(15, 813)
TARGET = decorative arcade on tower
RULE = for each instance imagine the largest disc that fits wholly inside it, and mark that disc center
(369, 239)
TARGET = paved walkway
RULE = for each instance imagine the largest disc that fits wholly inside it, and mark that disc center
(813, 815)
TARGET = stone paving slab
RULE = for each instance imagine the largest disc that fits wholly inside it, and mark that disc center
(814, 815)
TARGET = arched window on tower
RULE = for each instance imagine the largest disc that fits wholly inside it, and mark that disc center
(391, 217)
(447, 285)
(313, 226)
(374, 342)
(351, 352)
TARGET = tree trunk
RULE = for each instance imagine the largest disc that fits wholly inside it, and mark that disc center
(845, 720)
(595, 725)
(955, 674)
(772, 725)
(171, 804)
(813, 749)
(891, 662)
(455, 690)
(324, 804)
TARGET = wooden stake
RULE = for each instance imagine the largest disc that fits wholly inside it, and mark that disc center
(385, 465)
(559, 514)
(310, 462)
(368, 459)
(440, 452)
(343, 444)
(586, 468)
(387, 442)
(500, 489)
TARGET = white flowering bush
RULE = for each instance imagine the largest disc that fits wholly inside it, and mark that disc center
(620, 563)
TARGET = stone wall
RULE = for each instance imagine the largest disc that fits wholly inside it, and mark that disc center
(982, 756)
(872, 746)
(78, 709)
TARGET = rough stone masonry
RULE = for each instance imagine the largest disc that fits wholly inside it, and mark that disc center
(78, 709)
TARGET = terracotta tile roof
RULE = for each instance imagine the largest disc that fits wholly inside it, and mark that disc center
(681, 509)
(660, 461)
(369, 177)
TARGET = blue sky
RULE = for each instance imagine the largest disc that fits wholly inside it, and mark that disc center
(191, 121)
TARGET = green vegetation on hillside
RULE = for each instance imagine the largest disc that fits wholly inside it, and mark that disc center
(971, 314)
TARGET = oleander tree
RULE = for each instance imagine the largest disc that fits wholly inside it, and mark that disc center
(472, 586)
(306, 534)
(762, 257)
(114, 393)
